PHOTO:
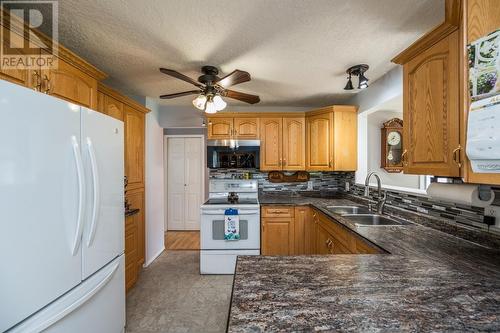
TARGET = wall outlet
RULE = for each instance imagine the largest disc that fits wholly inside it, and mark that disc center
(347, 186)
(493, 211)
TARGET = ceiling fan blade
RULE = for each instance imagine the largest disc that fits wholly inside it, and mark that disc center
(247, 98)
(181, 76)
(180, 94)
(235, 77)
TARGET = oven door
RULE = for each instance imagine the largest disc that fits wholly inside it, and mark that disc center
(212, 230)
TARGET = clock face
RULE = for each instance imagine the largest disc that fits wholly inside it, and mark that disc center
(393, 138)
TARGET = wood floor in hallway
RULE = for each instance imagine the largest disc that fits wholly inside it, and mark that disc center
(182, 240)
(171, 296)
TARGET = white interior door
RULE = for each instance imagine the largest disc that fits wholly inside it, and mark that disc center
(102, 143)
(184, 182)
(193, 182)
(40, 199)
(175, 185)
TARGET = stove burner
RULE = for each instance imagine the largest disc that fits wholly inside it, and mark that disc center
(232, 197)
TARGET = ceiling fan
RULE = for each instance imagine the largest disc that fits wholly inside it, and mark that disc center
(211, 88)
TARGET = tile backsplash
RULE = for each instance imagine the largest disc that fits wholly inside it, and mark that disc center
(454, 214)
(457, 214)
(320, 181)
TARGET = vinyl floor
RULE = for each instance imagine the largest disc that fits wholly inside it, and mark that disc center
(171, 296)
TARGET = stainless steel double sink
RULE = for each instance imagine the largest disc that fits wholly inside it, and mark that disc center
(361, 216)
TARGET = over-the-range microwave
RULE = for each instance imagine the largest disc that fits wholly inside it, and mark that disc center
(233, 154)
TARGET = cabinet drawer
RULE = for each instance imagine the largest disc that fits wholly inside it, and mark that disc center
(278, 211)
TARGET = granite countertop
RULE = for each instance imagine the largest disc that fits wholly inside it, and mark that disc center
(429, 281)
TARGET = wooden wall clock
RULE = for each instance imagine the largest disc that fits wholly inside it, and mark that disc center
(392, 145)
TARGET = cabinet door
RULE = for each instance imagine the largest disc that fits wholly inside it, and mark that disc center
(69, 83)
(113, 107)
(431, 112)
(134, 147)
(270, 143)
(345, 138)
(323, 241)
(19, 75)
(302, 218)
(277, 236)
(310, 233)
(220, 128)
(136, 200)
(131, 247)
(294, 143)
(246, 128)
(319, 142)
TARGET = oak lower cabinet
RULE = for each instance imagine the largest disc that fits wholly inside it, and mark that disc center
(136, 200)
(131, 251)
(277, 230)
(289, 230)
(282, 143)
(331, 139)
(431, 110)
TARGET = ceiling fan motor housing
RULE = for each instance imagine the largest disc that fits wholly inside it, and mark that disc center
(209, 74)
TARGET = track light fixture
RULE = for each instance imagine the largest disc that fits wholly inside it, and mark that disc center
(358, 71)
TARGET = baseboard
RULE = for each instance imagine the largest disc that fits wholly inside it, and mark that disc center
(146, 264)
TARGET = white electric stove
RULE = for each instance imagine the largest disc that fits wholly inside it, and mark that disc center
(217, 255)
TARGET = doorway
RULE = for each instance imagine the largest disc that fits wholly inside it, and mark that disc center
(184, 160)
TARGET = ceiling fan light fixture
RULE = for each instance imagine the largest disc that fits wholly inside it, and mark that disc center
(210, 106)
(219, 103)
(199, 102)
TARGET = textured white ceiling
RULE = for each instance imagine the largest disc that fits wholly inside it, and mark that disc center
(296, 50)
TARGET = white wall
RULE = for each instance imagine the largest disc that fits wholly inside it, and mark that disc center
(382, 101)
(374, 124)
(155, 190)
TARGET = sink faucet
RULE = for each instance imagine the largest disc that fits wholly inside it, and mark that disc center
(381, 197)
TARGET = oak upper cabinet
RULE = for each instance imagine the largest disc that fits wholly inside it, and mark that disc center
(19, 75)
(277, 234)
(431, 110)
(319, 142)
(294, 143)
(345, 138)
(112, 107)
(246, 128)
(271, 143)
(134, 147)
(331, 139)
(69, 83)
(220, 128)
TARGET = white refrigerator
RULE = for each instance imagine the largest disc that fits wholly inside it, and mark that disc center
(61, 216)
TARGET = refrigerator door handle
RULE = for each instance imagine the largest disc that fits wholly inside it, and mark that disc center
(96, 192)
(81, 194)
(67, 304)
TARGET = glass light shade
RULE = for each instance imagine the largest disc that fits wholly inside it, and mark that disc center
(199, 102)
(210, 108)
(219, 103)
